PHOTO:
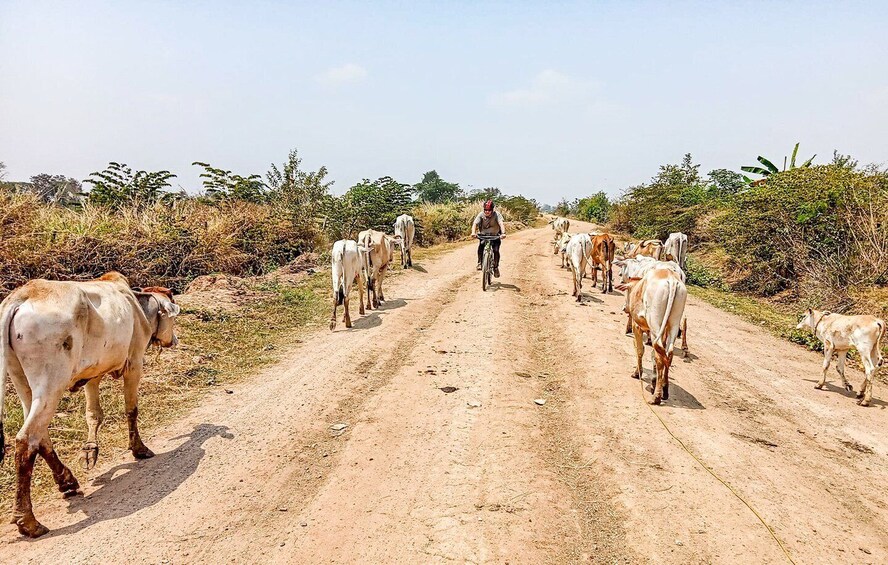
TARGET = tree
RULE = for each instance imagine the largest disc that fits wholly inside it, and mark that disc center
(770, 168)
(2, 171)
(432, 188)
(368, 204)
(724, 182)
(118, 185)
(595, 208)
(57, 189)
(489, 193)
(302, 194)
(563, 208)
(220, 184)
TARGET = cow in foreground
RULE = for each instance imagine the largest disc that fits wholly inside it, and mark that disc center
(602, 256)
(840, 333)
(676, 248)
(634, 270)
(347, 261)
(656, 305)
(405, 228)
(578, 249)
(380, 252)
(66, 335)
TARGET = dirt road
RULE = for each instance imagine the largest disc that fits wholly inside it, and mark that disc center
(482, 473)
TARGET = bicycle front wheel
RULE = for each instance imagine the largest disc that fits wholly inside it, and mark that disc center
(486, 268)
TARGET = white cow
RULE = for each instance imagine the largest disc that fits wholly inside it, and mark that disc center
(380, 252)
(348, 259)
(840, 333)
(656, 305)
(578, 250)
(676, 248)
(405, 228)
(560, 225)
(561, 247)
(67, 335)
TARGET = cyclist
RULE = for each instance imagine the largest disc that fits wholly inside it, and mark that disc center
(489, 222)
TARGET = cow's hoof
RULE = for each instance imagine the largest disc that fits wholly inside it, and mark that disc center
(634, 375)
(89, 455)
(848, 387)
(348, 324)
(332, 325)
(143, 453)
(29, 527)
(70, 487)
(665, 393)
(656, 401)
(859, 395)
(818, 386)
(71, 492)
(863, 402)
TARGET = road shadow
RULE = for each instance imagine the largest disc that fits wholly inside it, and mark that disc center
(852, 394)
(678, 397)
(584, 298)
(373, 319)
(130, 487)
(504, 286)
(419, 268)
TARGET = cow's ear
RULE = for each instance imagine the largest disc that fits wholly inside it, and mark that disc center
(809, 311)
(136, 288)
(171, 309)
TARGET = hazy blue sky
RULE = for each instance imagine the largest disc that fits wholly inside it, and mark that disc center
(547, 99)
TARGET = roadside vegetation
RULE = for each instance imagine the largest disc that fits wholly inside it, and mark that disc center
(807, 235)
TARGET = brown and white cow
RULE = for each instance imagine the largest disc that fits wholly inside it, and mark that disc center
(656, 305)
(840, 333)
(58, 335)
(648, 247)
(633, 270)
(347, 260)
(602, 256)
(380, 252)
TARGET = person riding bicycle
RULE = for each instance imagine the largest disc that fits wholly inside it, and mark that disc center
(489, 222)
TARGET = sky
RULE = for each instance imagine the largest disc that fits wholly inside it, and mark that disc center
(544, 99)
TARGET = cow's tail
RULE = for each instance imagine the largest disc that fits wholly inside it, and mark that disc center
(339, 282)
(878, 346)
(7, 311)
(657, 339)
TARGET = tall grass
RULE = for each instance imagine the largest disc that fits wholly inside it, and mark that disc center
(437, 223)
(161, 244)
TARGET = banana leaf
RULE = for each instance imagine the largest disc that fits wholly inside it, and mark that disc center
(808, 162)
(756, 170)
(794, 152)
(768, 164)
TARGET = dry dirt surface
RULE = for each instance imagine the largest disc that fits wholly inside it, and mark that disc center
(445, 455)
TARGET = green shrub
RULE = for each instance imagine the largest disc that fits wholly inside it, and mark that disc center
(700, 275)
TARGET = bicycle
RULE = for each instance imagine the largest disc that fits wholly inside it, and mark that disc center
(487, 259)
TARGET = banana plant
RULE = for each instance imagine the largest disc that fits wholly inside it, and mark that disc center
(770, 168)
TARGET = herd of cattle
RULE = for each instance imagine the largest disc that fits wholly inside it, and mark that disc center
(652, 274)
(67, 335)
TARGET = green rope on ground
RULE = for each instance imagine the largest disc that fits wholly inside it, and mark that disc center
(719, 479)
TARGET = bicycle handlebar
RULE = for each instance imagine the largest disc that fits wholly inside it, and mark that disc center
(482, 236)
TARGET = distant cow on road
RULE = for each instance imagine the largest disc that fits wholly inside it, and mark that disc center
(405, 228)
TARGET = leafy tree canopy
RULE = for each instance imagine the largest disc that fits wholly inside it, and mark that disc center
(118, 184)
(432, 188)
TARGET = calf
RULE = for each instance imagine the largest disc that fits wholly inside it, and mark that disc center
(66, 335)
(602, 256)
(656, 305)
(405, 228)
(347, 259)
(578, 249)
(380, 252)
(839, 334)
(676, 248)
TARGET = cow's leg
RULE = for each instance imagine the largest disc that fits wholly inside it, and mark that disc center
(666, 367)
(660, 364)
(346, 318)
(333, 315)
(63, 476)
(840, 369)
(684, 335)
(94, 417)
(27, 446)
(131, 380)
(361, 294)
(869, 366)
(382, 272)
(827, 357)
(639, 350)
